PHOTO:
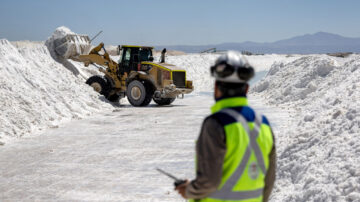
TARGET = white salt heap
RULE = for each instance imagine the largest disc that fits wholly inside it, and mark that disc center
(37, 92)
(319, 156)
(197, 66)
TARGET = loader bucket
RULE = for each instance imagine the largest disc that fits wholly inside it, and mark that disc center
(72, 45)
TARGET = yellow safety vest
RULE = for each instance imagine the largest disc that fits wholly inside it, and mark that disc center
(247, 156)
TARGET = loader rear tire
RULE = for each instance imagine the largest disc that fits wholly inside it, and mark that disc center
(99, 84)
(139, 93)
(164, 101)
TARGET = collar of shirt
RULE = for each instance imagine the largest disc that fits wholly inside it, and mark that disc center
(228, 103)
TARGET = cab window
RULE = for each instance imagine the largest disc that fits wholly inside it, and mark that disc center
(126, 57)
(128, 54)
(145, 54)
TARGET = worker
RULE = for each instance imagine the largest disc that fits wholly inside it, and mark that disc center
(235, 151)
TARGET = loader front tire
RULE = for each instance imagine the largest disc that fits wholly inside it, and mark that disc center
(99, 84)
(139, 93)
(164, 101)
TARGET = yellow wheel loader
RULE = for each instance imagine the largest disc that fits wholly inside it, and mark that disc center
(135, 76)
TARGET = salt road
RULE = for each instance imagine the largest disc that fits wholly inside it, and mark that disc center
(113, 156)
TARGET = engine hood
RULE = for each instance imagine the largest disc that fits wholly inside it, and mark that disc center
(169, 67)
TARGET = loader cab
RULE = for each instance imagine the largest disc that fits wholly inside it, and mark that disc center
(132, 56)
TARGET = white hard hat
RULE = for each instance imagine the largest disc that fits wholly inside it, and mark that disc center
(232, 67)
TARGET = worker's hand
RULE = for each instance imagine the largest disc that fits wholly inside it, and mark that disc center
(181, 188)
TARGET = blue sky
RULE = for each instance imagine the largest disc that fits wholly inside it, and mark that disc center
(182, 22)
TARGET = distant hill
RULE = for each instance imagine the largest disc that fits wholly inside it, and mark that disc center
(320, 42)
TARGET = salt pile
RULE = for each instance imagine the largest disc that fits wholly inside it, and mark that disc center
(319, 157)
(37, 92)
(197, 66)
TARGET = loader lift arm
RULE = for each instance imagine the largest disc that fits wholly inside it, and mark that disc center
(101, 59)
(104, 60)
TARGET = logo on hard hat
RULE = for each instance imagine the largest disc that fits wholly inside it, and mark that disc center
(253, 170)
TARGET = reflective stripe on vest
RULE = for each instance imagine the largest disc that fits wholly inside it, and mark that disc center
(226, 193)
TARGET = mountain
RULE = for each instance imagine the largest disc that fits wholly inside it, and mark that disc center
(320, 42)
(320, 38)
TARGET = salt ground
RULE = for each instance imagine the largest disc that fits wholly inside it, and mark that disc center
(312, 103)
(111, 157)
